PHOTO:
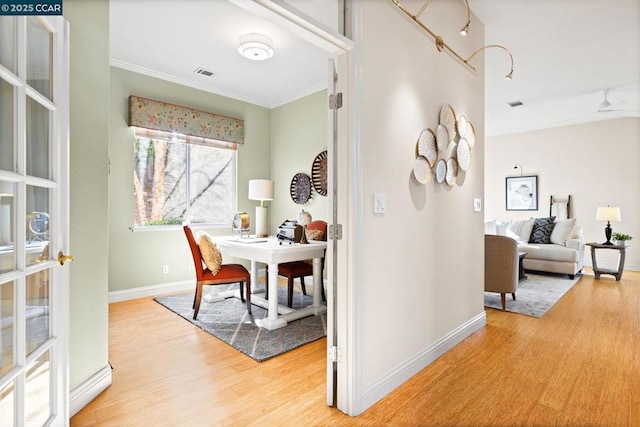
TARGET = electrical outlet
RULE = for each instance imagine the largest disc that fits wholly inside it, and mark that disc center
(165, 269)
(379, 203)
(477, 205)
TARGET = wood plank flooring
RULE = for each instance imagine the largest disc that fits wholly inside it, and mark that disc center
(578, 365)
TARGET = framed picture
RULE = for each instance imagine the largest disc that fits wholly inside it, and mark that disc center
(522, 193)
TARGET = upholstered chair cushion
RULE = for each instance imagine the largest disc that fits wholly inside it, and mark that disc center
(210, 253)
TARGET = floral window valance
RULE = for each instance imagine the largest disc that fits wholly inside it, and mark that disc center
(201, 126)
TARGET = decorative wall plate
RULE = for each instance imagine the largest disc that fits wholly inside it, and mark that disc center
(462, 126)
(471, 134)
(427, 147)
(448, 120)
(441, 171)
(300, 188)
(442, 137)
(464, 154)
(452, 171)
(319, 173)
(422, 170)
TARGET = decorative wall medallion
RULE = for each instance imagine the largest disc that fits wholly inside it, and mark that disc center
(442, 136)
(300, 188)
(319, 173)
(427, 146)
(422, 170)
(441, 171)
(471, 134)
(462, 126)
(452, 171)
(464, 154)
(448, 120)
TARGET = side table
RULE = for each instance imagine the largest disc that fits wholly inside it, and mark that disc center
(521, 275)
(598, 271)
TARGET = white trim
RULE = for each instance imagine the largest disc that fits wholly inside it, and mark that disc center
(411, 367)
(149, 291)
(89, 390)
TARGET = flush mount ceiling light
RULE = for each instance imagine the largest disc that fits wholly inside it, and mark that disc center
(256, 47)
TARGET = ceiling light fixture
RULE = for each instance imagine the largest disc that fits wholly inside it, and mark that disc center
(440, 43)
(256, 47)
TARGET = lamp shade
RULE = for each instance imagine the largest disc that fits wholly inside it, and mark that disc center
(260, 189)
(608, 213)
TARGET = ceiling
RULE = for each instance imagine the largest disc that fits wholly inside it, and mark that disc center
(566, 53)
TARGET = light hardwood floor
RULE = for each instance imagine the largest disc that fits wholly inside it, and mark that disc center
(578, 365)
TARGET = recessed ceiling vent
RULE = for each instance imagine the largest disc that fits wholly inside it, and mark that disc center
(515, 104)
(204, 72)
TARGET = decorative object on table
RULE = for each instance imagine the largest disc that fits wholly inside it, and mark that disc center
(240, 224)
(440, 43)
(522, 193)
(422, 171)
(261, 189)
(289, 232)
(319, 173)
(608, 214)
(452, 171)
(621, 239)
(227, 320)
(426, 146)
(441, 171)
(300, 188)
(304, 218)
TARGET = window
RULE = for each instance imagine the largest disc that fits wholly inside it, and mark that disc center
(176, 182)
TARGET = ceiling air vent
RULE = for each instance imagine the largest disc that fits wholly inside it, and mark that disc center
(515, 104)
(204, 72)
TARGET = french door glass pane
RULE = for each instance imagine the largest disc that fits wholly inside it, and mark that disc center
(37, 310)
(37, 139)
(37, 222)
(211, 185)
(7, 330)
(37, 393)
(7, 53)
(7, 159)
(7, 221)
(39, 45)
(6, 405)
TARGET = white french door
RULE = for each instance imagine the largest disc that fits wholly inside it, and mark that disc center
(34, 291)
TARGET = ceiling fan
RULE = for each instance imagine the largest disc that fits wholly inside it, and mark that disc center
(606, 107)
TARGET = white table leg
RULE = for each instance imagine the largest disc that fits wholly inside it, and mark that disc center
(254, 276)
(273, 321)
(317, 284)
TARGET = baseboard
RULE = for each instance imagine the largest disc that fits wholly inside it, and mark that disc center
(89, 390)
(411, 367)
(149, 291)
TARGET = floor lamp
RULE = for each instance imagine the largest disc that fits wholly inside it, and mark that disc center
(261, 189)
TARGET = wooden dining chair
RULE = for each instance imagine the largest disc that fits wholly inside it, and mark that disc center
(228, 273)
(301, 269)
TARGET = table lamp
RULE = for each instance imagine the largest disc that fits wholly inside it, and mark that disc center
(261, 189)
(608, 214)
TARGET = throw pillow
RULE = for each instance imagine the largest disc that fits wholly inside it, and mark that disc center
(209, 251)
(542, 228)
(562, 231)
(520, 230)
(314, 235)
(490, 227)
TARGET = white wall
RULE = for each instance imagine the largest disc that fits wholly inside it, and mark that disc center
(597, 163)
(422, 272)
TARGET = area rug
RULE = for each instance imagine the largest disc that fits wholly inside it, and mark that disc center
(536, 295)
(228, 321)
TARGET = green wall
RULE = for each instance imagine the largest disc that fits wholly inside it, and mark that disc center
(136, 258)
(298, 135)
(89, 231)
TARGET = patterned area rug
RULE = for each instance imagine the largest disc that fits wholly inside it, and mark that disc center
(536, 295)
(228, 321)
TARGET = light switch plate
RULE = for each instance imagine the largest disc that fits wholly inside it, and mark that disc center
(477, 205)
(379, 203)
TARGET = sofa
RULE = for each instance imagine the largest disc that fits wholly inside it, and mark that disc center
(551, 245)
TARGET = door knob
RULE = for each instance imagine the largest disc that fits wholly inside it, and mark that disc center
(62, 258)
